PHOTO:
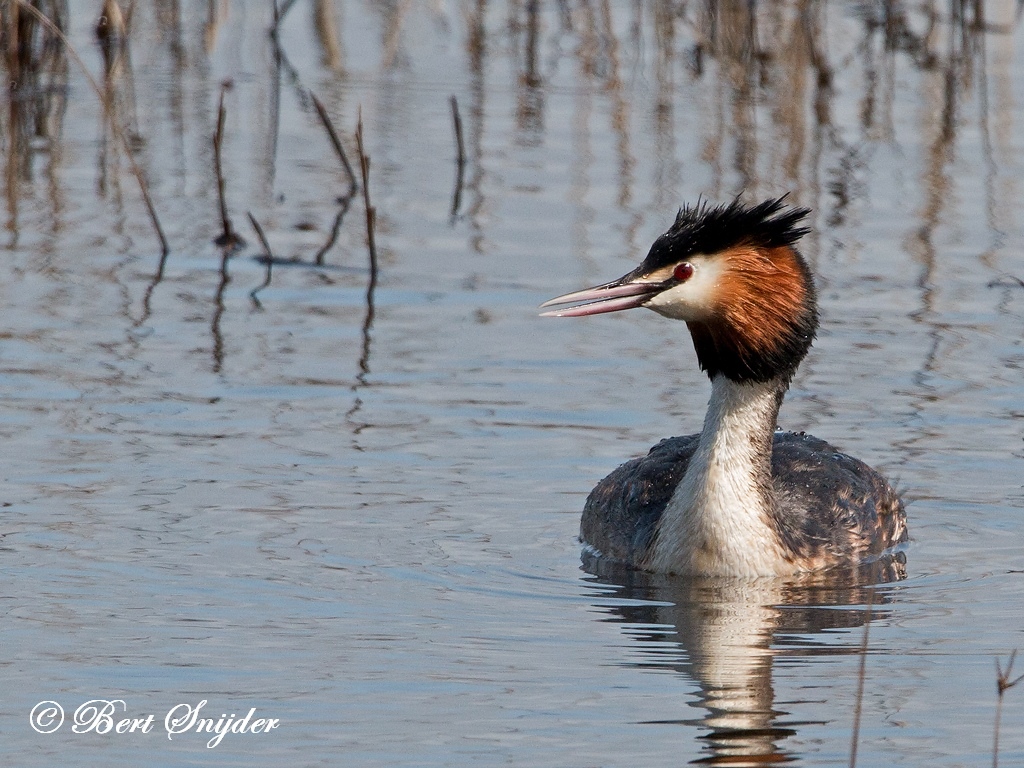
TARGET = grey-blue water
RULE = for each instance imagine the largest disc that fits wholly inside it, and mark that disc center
(360, 518)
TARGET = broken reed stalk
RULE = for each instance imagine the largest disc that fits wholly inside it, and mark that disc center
(259, 234)
(1003, 684)
(861, 673)
(109, 115)
(371, 212)
(228, 237)
(460, 157)
(353, 185)
(333, 135)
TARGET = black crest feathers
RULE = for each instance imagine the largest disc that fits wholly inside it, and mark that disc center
(707, 229)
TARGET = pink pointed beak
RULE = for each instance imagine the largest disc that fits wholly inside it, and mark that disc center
(610, 297)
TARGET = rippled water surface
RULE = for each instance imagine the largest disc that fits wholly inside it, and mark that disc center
(355, 510)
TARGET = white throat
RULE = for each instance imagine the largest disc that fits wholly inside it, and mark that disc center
(719, 520)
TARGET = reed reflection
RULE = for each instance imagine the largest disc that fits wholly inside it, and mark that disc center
(725, 636)
(326, 28)
(36, 75)
(118, 97)
(780, 61)
(476, 51)
(530, 98)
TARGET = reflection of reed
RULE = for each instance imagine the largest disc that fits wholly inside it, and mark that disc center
(36, 73)
(730, 37)
(268, 261)
(476, 52)
(616, 89)
(599, 60)
(775, 58)
(327, 34)
(765, 79)
(530, 96)
(582, 162)
(666, 172)
(23, 7)
(394, 16)
(216, 14)
(147, 296)
(218, 311)
(118, 90)
(952, 55)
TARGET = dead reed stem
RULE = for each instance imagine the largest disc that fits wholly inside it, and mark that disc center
(111, 119)
(262, 237)
(338, 148)
(353, 186)
(460, 157)
(1003, 684)
(371, 212)
(228, 237)
(859, 701)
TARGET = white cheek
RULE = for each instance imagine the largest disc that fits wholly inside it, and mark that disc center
(693, 300)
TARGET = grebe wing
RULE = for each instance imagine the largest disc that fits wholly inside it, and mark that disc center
(622, 512)
(831, 504)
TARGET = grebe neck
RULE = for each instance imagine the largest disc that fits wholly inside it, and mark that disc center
(720, 520)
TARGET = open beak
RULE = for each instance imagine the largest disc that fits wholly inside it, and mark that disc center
(624, 293)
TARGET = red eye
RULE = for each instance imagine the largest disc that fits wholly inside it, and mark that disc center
(683, 272)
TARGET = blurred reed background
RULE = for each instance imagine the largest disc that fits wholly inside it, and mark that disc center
(789, 95)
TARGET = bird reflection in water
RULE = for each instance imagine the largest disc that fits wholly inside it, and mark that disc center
(725, 635)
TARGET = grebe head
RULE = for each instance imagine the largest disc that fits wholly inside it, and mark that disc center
(733, 274)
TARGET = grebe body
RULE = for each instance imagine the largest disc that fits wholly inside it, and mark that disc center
(740, 498)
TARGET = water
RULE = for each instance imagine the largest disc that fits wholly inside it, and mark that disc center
(362, 523)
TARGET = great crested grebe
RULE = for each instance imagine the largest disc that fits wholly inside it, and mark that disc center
(741, 498)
